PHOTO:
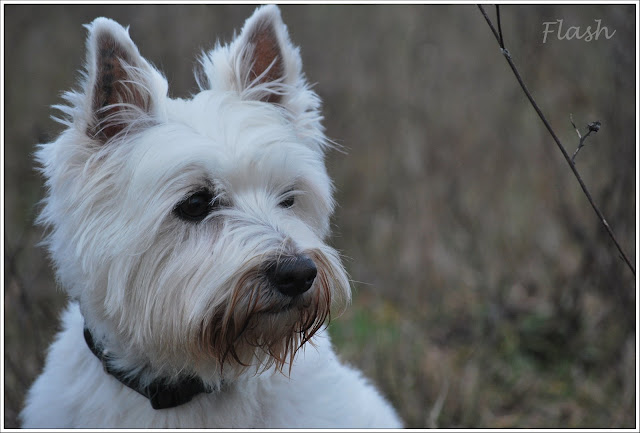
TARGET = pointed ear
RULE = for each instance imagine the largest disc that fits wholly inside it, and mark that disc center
(121, 89)
(262, 47)
(260, 64)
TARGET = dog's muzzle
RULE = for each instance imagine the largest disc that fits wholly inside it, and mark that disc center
(292, 275)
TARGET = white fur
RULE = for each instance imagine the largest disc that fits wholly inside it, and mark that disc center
(74, 391)
(153, 288)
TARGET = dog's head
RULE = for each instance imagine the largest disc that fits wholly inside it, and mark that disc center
(192, 231)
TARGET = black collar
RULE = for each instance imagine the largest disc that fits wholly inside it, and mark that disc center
(160, 394)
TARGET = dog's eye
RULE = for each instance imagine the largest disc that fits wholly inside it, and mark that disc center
(195, 207)
(287, 202)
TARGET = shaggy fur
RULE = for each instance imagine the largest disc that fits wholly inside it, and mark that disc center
(170, 295)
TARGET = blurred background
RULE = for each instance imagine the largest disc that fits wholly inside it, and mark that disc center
(486, 293)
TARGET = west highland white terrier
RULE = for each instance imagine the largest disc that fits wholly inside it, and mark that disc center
(189, 235)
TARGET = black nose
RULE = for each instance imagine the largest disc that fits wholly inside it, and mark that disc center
(292, 276)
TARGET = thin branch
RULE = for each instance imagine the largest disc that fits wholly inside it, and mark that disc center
(593, 127)
(507, 56)
(574, 126)
(501, 40)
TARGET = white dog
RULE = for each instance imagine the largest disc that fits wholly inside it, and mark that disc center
(189, 236)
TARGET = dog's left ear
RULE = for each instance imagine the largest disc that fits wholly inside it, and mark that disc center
(122, 89)
(260, 64)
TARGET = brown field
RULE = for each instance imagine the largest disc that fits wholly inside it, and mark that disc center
(486, 293)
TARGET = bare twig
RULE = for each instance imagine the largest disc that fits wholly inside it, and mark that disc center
(574, 126)
(569, 160)
(593, 127)
(501, 40)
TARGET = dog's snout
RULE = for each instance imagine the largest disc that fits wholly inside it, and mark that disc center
(292, 276)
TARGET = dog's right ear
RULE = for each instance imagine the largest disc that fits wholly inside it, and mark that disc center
(262, 64)
(122, 90)
(259, 64)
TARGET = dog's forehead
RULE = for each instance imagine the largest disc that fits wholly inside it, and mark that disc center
(236, 125)
(222, 138)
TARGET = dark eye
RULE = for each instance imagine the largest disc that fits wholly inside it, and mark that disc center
(287, 202)
(195, 207)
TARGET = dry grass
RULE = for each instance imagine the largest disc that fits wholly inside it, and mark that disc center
(486, 293)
